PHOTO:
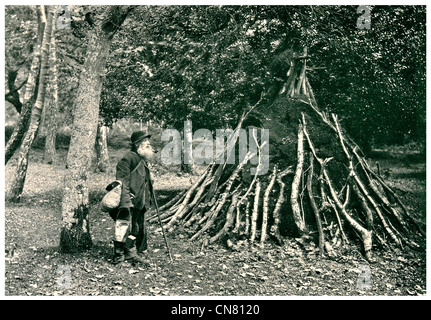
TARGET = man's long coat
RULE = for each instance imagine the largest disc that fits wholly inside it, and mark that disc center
(134, 174)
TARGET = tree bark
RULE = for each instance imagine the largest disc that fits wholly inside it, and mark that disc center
(51, 109)
(187, 165)
(17, 185)
(75, 234)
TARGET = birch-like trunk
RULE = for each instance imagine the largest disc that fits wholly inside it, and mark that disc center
(187, 165)
(51, 109)
(75, 233)
(30, 95)
(18, 182)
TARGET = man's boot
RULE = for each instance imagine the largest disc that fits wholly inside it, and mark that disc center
(118, 252)
(131, 253)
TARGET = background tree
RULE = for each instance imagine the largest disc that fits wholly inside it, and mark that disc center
(17, 185)
(23, 44)
(21, 35)
(51, 110)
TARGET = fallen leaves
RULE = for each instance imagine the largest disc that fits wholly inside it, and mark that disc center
(133, 271)
(243, 270)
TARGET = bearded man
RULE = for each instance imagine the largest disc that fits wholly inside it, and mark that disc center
(130, 239)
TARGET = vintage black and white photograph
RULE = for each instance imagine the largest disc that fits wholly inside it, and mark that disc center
(222, 150)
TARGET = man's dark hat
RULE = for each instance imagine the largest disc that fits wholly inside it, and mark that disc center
(138, 136)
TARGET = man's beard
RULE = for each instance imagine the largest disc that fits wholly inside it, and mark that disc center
(145, 152)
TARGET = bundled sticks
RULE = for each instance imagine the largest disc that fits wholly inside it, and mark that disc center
(333, 196)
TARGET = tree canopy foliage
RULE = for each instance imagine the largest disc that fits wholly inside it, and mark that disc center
(375, 78)
(206, 63)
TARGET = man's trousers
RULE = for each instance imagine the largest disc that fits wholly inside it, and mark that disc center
(131, 228)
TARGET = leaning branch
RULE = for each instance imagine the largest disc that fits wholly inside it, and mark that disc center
(296, 209)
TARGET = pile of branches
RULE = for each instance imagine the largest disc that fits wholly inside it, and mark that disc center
(335, 200)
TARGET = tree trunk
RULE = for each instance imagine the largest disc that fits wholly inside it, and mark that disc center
(17, 185)
(187, 165)
(101, 147)
(75, 234)
(51, 109)
(30, 95)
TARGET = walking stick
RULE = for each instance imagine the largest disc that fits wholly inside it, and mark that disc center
(160, 221)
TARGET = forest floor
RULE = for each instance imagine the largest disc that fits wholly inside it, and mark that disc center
(34, 266)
